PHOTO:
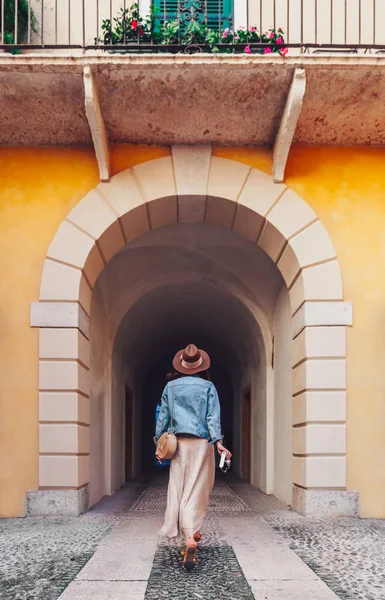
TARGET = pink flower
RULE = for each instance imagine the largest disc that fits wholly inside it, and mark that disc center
(252, 29)
(241, 27)
(271, 34)
(267, 51)
(224, 33)
(279, 40)
(247, 50)
(283, 51)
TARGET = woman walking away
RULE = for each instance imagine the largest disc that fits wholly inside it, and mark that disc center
(190, 409)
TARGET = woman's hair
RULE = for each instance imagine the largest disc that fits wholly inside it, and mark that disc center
(172, 375)
(205, 375)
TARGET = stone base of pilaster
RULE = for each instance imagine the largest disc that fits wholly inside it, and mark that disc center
(325, 503)
(56, 503)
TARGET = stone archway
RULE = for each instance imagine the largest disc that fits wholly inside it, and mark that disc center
(192, 186)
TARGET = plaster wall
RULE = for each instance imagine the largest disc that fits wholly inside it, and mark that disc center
(282, 399)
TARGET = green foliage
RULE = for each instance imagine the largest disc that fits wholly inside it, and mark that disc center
(22, 22)
(169, 33)
(130, 28)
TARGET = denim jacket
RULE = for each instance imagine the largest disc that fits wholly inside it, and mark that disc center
(196, 409)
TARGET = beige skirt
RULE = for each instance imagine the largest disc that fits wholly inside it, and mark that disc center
(192, 474)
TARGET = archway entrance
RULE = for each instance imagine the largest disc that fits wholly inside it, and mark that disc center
(183, 283)
(193, 199)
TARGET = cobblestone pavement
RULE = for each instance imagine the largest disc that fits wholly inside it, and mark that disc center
(39, 557)
(222, 499)
(217, 574)
(348, 554)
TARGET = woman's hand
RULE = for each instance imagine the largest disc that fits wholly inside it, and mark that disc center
(221, 448)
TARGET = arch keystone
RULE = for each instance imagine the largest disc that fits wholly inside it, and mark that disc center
(191, 166)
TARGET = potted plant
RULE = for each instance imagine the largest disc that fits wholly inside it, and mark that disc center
(130, 29)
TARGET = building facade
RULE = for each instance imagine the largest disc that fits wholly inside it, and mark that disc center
(150, 197)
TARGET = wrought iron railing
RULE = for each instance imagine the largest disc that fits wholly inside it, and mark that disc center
(194, 25)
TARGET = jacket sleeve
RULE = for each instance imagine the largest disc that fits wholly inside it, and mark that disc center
(164, 416)
(214, 416)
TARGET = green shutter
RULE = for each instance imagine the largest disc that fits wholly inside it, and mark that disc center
(171, 7)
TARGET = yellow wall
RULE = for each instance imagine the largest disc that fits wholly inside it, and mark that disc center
(38, 187)
(345, 186)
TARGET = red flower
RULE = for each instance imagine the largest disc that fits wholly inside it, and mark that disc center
(140, 31)
(134, 24)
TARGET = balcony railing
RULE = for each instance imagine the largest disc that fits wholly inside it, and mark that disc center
(194, 25)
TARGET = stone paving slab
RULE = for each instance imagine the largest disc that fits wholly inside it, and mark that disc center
(263, 554)
(125, 554)
(105, 590)
(291, 590)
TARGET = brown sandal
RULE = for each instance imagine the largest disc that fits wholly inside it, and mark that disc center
(197, 536)
(190, 557)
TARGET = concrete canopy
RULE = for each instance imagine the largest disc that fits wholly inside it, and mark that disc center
(166, 99)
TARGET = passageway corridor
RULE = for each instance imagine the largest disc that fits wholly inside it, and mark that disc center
(252, 547)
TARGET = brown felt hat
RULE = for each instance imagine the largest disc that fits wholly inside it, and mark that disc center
(191, 360)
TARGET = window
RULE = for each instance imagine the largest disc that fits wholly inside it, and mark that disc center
(198, 11)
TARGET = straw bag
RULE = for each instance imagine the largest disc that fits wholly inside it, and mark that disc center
(167, 443)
